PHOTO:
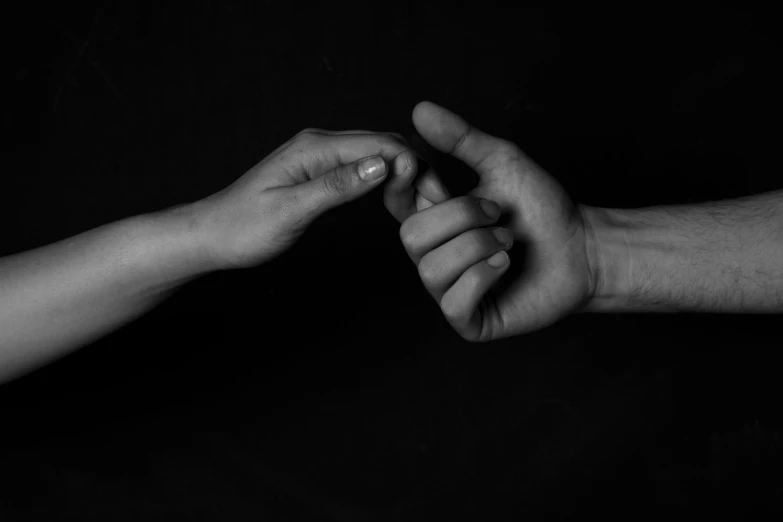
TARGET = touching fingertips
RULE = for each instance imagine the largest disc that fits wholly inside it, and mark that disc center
(404, 163)
(503, 236)
(372, 169)
(490, 208)
(498, 260)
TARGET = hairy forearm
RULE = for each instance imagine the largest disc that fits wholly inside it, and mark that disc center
(723, 256)
(59, 297)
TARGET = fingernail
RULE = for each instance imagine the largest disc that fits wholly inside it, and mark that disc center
(372, 169)
(407, 164)
(490, 208)
(498, 259)
(504, 236)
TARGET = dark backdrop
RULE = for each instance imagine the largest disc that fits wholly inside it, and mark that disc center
(326, 385)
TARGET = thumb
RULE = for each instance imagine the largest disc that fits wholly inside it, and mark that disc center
(451, 134)
(342, 184)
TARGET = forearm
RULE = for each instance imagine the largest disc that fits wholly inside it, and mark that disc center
(59, 297)
(724, 256)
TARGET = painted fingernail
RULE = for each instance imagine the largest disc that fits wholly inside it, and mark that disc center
(372, 169)
(503, 236)
(498, 259)
(490, 208)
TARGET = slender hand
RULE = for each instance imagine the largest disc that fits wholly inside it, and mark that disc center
(61, 296)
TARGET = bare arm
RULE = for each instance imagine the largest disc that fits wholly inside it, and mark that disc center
(724, 256)
(58, 297)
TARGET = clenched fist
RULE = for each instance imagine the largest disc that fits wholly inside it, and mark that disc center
(460, 252)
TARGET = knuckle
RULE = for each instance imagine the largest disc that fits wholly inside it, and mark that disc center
(506, 152)
(428, 272)
(507, 147)
(450, 312)
(458, 318)
(396, 136)
(336, 183)
(306, 135)
(408, 234)
(465, 334)
(469, 210)
(483, 241)
(472, 277)
(476, 240)
(454, 315)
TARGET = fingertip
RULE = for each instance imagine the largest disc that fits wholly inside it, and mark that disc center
(422, 203)
(402, 172)
(418, 110)
(430, 185)
(405, 163)
(399, 192)
(498, 260)
(422, 105)
(372, 168)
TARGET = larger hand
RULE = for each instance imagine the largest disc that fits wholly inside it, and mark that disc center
(450, 242)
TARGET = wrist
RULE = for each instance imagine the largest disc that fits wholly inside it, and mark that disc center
(176, 237)
(608, 258)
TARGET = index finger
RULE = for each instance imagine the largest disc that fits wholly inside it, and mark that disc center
(406, 194)
(347, 148)
(319, 151)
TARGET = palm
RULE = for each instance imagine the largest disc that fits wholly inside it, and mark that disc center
(549, 274)
(548, 277)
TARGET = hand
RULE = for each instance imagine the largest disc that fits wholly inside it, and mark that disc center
(265, 211)
(460, 260)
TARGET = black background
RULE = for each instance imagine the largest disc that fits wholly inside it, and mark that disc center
(326, 385)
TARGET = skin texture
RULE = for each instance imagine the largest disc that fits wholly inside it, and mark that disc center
(61, 296)
(549, 258)
(547, 274)
(265, 211)
(718, 256)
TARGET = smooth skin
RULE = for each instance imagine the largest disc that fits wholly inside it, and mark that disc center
(59, 297)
